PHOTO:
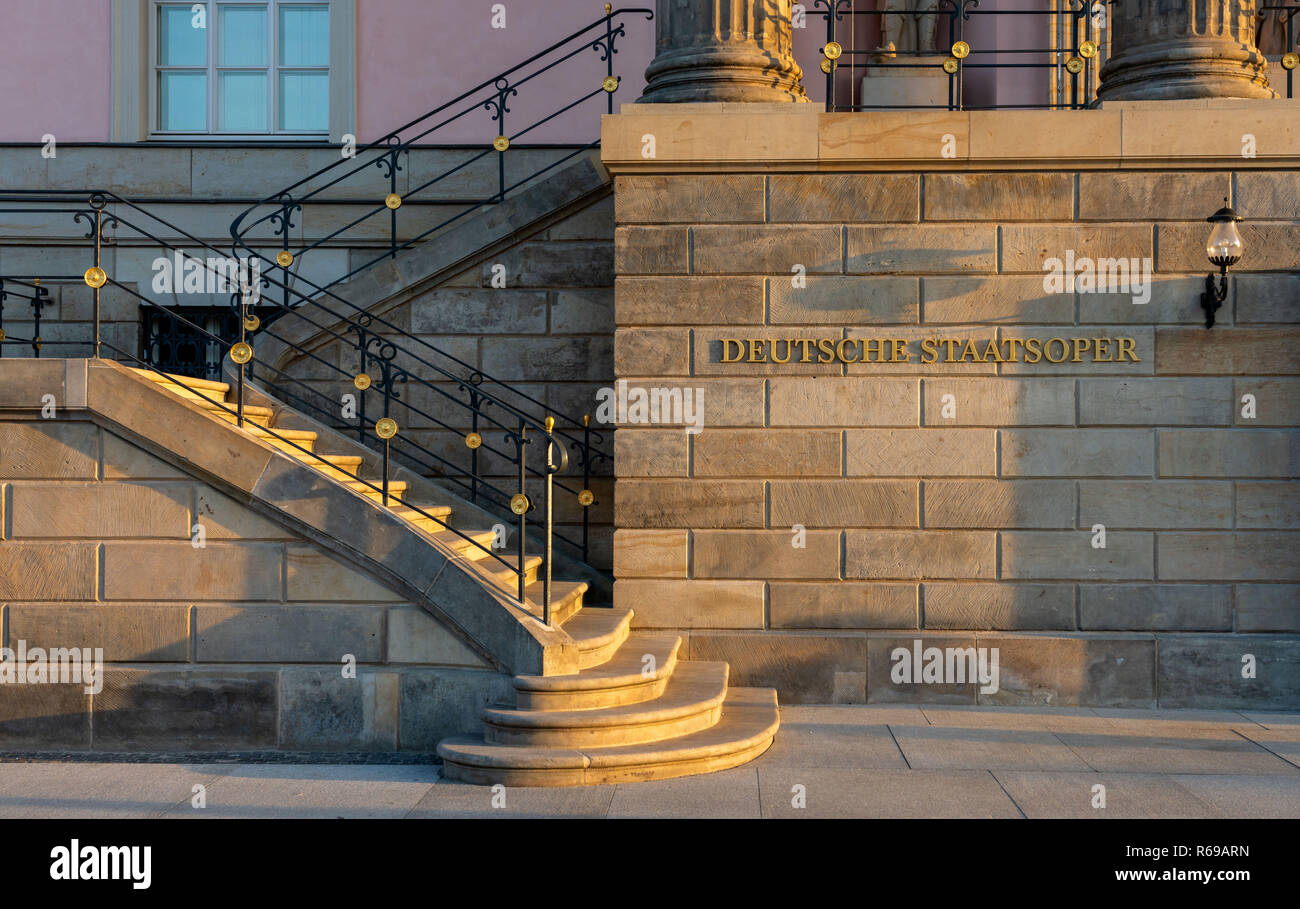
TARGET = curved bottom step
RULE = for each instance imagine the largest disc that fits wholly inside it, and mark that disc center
(750, 719)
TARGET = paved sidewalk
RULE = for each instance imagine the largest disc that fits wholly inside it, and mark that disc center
(845, 761)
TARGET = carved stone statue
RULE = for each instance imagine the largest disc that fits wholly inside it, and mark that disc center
(908, 25)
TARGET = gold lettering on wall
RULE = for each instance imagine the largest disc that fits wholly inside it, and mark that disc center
(932, 350)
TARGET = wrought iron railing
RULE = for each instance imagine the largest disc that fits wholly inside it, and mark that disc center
(1289, 58)
(391, 360)
(531, 444)
(1076, 62)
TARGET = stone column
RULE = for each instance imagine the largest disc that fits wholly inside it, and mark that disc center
(723, 50)
(1173, 49)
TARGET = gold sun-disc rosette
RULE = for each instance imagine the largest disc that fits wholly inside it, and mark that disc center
(961, 50)
(241, 353)
(96, 276)
(833, 50)
(252, 323)
(473, 440)
(1074, 65)
(501, 143)
(362, 381)
(284, 258)
(1290, 60)
(519, 503)
(2, 334)
(827, 66)
(393, 201)
(609, 84)
(950, 65)
(586, 498)
(386, 428)
(1088, 49)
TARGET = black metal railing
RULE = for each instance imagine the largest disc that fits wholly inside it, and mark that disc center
(1289, 58)
(528, 443)
(391, 361)
(1076, 62)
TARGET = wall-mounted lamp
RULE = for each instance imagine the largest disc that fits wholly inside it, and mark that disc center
(1224, 250)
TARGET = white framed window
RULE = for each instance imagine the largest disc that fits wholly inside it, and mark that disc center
(239, 68)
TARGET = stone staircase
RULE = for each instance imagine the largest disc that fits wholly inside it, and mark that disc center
(633, 711)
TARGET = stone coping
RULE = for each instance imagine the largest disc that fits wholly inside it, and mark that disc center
(775, 137)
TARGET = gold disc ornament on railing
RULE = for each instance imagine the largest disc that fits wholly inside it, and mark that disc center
(519, 503)
(96, 276)
(241, 353)
(1290, 60)
(500, 143)
(833, 50)
(386, 428)
(362, 381)
(393, 201)
(961, 50)
(473, 440)
(284, 258)
(252, 323)
(1088, 49)
(1074, 65)
(586, 498)
(950, 65)
(827, 66)
(609, 84)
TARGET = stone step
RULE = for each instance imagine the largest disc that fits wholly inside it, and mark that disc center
(628, 678)
(691, 701)
(508, 577)
(257, 416)
(749, 721)
(169, 380)
(435, 521)
(374, 489)
(457, 543)
(566, 599)
(337, 467)
(599, 633)
(290, 441)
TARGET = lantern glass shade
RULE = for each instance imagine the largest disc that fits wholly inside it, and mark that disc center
(1224, 246)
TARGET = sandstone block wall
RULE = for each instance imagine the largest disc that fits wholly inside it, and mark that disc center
(235, 645)
(828, 511)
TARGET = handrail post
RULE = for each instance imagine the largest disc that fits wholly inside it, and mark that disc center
(586, 481)
(546, 500)
(99, 215)
(519, 505)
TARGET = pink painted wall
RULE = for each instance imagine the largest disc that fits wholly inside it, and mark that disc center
(54, 70)
(413, 55)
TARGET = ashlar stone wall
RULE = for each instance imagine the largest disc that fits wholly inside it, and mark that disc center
(830, 511)
(220, 629)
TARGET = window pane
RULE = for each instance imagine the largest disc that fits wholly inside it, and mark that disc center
(305, 101)
(183, 101)
(241, 103)
(243, 36)
(304, 36)
(179, 42)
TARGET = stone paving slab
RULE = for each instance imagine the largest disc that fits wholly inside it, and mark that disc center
(984, 748)
(1126, 795)
(313, 791)
(836, 793)
(852, 761)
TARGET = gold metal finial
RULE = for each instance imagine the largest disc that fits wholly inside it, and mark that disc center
(500, 143)
(609, 8)
(393, 201)
(284, 258)
(586, 419)
(36, 282)
(386, 428)
(241, 353)
(519, 503)
(961, 50)
(550, 424)
(95, 277)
